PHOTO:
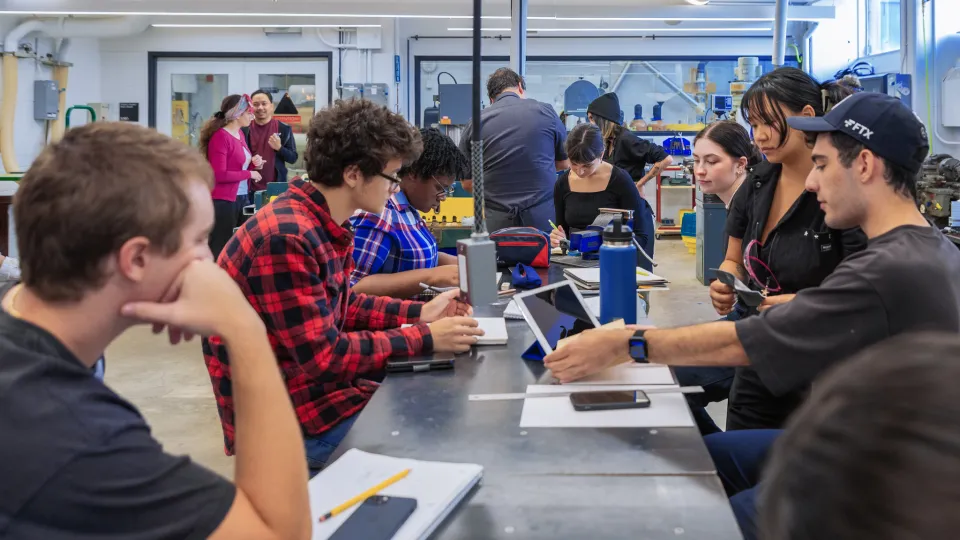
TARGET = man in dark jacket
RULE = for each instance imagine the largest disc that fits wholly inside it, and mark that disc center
(270, 139)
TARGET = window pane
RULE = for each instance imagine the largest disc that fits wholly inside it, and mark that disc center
(193, 99)
(294, 98)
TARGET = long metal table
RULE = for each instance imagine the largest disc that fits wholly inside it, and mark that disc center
(538, 482)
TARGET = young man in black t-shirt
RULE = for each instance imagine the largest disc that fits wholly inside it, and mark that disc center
(869, 150)
(112, 225)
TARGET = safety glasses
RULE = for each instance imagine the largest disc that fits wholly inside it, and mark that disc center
(758, 271)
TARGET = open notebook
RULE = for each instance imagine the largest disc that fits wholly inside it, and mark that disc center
(437, 487)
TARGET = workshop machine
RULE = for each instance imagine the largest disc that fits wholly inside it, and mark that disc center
(939, 184)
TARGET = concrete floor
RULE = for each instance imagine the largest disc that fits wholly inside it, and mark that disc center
(171, 387)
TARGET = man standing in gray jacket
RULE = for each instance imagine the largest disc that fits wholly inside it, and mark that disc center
(522, 152)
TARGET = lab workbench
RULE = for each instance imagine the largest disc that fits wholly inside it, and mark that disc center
(539, 482)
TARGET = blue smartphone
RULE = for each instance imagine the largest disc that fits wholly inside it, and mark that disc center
(378, 518)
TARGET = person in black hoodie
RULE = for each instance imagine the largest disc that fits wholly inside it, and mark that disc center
(621, 147)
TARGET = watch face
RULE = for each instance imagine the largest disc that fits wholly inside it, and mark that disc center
(638, 349)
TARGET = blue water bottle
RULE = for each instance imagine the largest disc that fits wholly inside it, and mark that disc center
(618, 274)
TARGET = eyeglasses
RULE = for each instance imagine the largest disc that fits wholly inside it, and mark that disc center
(757, 270)
(394, 181)
(444, 191)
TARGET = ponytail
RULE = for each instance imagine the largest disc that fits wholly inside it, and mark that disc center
(217, 122)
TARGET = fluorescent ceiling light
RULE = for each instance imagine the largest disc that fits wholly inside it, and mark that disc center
(242, 14)
(283, 25)
(649, 19)
(651, 30)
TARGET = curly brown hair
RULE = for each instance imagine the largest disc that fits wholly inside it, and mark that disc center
(357, 133)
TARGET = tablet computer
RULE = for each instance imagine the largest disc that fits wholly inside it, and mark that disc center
(555, 312)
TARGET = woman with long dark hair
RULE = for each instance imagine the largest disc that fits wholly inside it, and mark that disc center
(778, 241)
(592, 184)
(225, 147)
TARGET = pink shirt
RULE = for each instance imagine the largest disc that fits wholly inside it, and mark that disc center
(227, 159)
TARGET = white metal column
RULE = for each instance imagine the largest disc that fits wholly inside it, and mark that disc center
(780, 32)
(518, 36)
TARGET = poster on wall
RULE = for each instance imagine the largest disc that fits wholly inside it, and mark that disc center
(129, 112)
(180, 129)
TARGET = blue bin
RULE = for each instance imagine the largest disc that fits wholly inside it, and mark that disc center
(688, 227)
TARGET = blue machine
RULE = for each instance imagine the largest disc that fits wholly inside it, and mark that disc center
(578, 96)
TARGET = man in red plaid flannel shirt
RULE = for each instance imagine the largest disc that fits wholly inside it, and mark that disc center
(293, 261)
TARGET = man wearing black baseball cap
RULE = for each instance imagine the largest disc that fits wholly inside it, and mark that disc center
(868, 153)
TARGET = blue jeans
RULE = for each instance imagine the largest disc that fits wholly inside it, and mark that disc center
(739, 457)
(320, 448)
(716, 383)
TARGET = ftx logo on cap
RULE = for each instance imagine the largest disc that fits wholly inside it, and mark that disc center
(881, 123)
(853, 125)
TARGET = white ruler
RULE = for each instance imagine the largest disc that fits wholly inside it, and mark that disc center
(522, 395)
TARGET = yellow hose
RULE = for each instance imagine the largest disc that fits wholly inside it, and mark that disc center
(7, 113)
(60, 75)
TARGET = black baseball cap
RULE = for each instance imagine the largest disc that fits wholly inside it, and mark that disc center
(882, 123)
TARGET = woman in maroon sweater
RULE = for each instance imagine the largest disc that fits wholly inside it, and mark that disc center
(226, 149)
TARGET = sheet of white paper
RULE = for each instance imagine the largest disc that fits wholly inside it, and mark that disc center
(592, 275)
(665, 410)
(629, 374)
(438, 487)
(495, 331)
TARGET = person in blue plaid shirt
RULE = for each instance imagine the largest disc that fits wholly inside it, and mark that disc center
(395, 251)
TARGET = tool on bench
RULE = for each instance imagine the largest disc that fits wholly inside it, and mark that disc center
(522, 395)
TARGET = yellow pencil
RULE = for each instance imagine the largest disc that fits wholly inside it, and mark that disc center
(365, 495)
(552, 224)
(642, 272)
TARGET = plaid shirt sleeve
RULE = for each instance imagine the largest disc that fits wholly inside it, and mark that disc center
(371, 247)
(366, 312)
(290, 288)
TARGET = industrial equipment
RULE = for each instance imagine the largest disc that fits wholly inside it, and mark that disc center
(711, 235)
(938, 186)
(376, 92)
(46, 100)
(578, 96)
(721, 105)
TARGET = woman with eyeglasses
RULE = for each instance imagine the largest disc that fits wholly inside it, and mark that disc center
(778, 242)
(592, 184)
(395, 251)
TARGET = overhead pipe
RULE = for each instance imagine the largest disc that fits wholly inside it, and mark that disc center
(672, 85)
(806, 40)
(60, 74)
(103, 28)
(780, 33)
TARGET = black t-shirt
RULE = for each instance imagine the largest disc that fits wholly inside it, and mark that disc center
(633, 154)
(77, 461)
(800, 252)
(577, 210)
(905, 281)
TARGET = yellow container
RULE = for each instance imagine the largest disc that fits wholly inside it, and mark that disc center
(454, 207)
(691, 243)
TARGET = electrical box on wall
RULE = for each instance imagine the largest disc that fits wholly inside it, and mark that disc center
(369, 38)
(375, 92)
(101, 110)
(46, 100)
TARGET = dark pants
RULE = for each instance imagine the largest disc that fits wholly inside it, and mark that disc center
(320, 448)
(716, 383)
(739, 457)
(225, 218)
(537, 215)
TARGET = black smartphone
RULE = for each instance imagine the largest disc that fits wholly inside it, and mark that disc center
(418, 366)
(606, 401)
(378, 518)
(748, 296)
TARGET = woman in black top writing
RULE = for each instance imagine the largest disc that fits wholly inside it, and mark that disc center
(778, 241)
(592, 184)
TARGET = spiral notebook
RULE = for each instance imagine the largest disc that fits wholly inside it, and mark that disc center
(438, 488)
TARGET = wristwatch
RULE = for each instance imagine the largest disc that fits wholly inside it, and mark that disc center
(638, 347)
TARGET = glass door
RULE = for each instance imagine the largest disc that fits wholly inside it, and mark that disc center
(190, 91)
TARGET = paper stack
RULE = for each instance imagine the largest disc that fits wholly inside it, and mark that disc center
(437, 487)
(589, 279)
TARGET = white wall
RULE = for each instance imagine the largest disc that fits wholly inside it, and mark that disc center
(83, 87)
(838, 42)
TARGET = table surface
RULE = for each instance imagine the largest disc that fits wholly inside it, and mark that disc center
(543, 482)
